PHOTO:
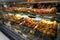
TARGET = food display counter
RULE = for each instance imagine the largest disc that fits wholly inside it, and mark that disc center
(30, 23)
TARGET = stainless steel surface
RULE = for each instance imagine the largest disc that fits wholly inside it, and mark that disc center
(3, 37)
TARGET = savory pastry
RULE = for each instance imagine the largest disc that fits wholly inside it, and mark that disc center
(30, 22)
(47, 27)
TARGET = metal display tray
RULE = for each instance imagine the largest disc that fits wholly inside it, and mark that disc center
(11, 33)
(37, 33)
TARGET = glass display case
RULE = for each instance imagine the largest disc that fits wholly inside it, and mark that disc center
(24, 21)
